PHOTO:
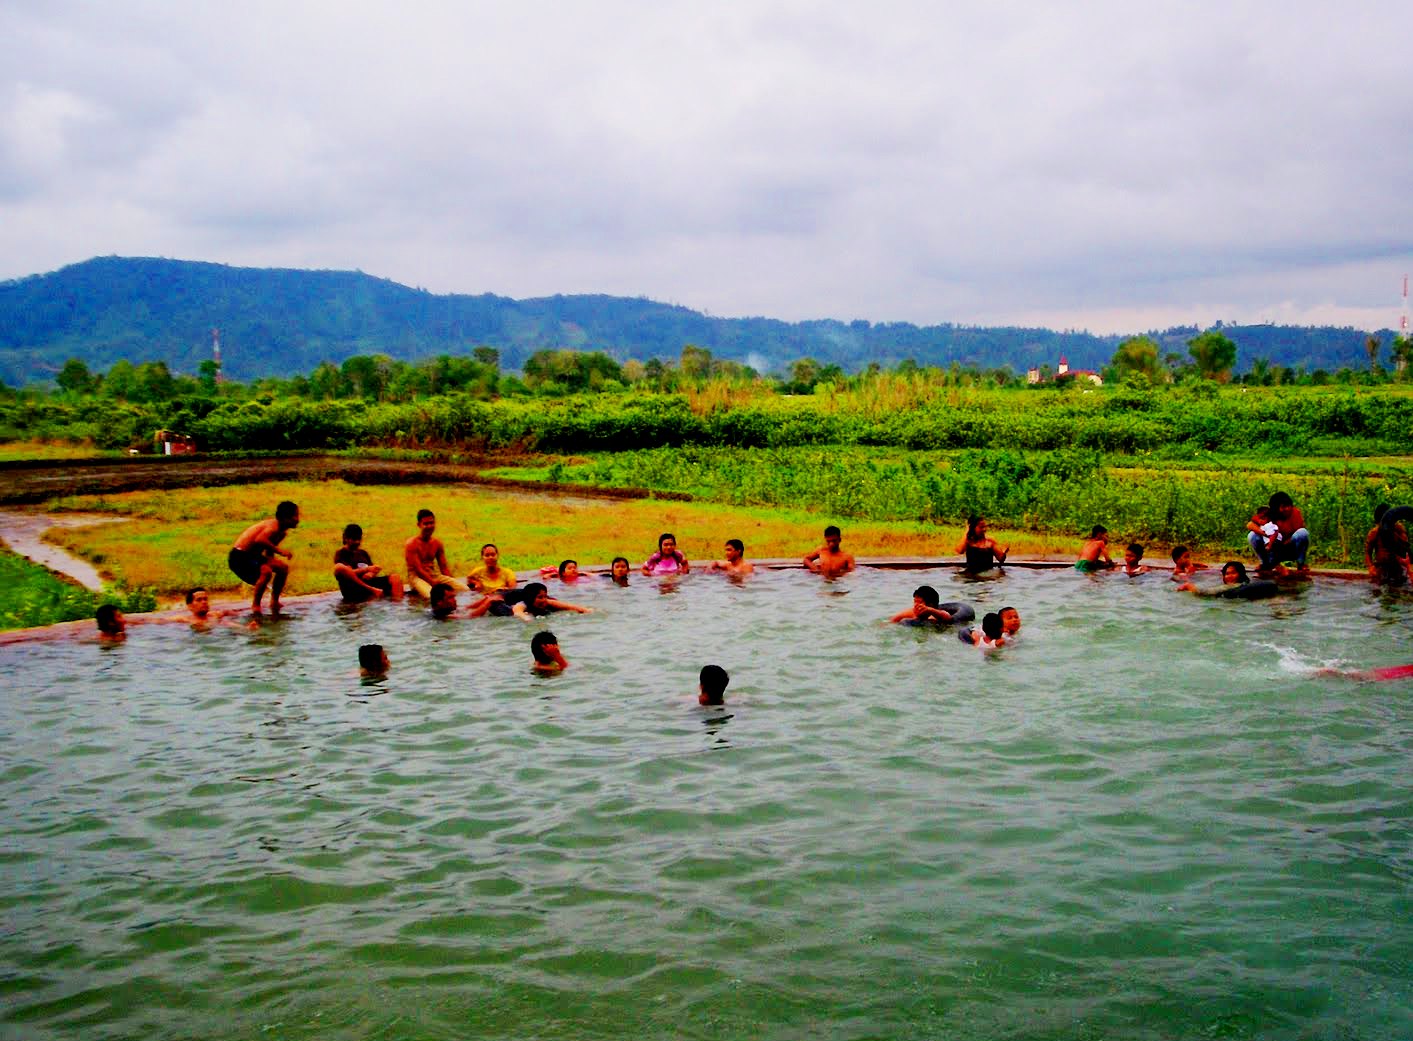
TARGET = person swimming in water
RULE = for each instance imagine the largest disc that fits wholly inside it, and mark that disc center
(112, 626)
(373, 661)
(1184, 567)
(1236, 585)
(711, 685)
(927, 610)
(736, 565)
(544, 649)
(992, 633)
(1094, 556)
(667, 560)
(533, 600)
(829, 560)
(618, 571)
(1133, 557)
(981, 552)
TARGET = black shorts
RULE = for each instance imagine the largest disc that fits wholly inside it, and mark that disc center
(246, 565)
(356, 594)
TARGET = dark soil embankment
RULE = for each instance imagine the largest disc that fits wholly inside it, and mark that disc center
(30, 482)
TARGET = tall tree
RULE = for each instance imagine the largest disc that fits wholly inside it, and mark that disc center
(74, 377)
(1214, 355)
(1138, 355)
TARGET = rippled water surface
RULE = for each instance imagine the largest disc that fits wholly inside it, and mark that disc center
(1147, 819)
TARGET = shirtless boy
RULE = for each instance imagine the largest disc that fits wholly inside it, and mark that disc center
(736, 564)
(426, 558)
(829, 560)
(1095, 554)
(255, 557)
(1184, 567)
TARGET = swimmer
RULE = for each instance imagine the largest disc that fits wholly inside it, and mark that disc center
(425, 557)
(711, 685)
(736, 565)
(1388, 672)
(991, 635)
(443, 600)
(1010, 623)
(925, 610)
(489, 575)
(1132, 557)
(544, 648)
(358, 577)
(982, 553)
(618, 571)
(829, 560)
(1236, 585)
(667, 560)
(1184, 567)
(1095, 554)
(534, 599)
(112, 626)
(255, 557)
(373, 661)
(1387, 557)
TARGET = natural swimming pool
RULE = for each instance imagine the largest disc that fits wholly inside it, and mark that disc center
(1146, 819)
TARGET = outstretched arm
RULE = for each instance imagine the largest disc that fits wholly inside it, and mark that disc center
(560, 605)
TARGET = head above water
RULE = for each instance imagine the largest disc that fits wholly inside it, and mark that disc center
(713, 681)
(619, 568)
(1134, 553)
(372, 658)
(568, 570)
(991, 626)
(110, 620)
(735, 550)
(1180, 552)
(287, 515)
(199, 601)
(539, 642)
(1234, 573)
(1010, 620)
(927, 595)
(443, 599)
(536, 595)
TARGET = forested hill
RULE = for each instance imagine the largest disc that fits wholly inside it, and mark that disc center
(280, 322)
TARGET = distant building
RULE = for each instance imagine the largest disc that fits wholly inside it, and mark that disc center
(1064, 372)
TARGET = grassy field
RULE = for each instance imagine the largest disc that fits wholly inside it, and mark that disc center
(17, 451)
(31, 595)
(180, 539)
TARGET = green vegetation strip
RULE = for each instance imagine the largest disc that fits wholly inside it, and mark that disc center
(32, 595)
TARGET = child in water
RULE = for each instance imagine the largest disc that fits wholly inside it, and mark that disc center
(666, 561)
(991, 635)
(1184, 567)
(618, 571)
(829, 560)
(112, 626)
(926, 610)
(736, 565)
(1132, 556)
(544, 648)
(1095, 554)
(373, 661)
(711, 688)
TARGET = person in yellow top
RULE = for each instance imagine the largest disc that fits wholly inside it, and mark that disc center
(488, 575)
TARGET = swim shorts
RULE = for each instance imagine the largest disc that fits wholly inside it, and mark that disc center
(245, 564)
(356, 594)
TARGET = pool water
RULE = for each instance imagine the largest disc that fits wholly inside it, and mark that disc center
(1146, 819)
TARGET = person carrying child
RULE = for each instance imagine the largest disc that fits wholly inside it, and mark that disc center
(1289, 542)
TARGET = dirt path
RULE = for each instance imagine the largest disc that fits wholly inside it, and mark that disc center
(23, 533)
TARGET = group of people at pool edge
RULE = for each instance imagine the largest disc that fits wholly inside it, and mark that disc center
(1276, 534)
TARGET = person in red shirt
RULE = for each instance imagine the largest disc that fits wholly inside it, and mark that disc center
(1293, 539)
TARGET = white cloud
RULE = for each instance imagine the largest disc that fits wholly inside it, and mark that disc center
(996, 163)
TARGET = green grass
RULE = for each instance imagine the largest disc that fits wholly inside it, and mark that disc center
(31, 595)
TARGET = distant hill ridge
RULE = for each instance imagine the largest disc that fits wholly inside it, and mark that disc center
(279, 321)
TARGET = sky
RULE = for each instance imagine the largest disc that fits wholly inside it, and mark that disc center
(1114, 167)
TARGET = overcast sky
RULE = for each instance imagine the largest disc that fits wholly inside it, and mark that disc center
(1132, 166)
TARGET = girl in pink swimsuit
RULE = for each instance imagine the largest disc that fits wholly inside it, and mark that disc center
(666, 561)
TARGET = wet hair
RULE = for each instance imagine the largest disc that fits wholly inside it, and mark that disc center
(532, 592)
(927, 595)
(663, 538)
(833, 530)
(991, 625)
(107, 618)
(615, 560)
(1136, 549)
(439, 595)
(423, 514)
(191, 593)
(537, 646)
(564, 564)
(1178, 551)
(1098, 530)
(1241, 575)
(370, 657)
(286, 511)
(1005, 609)
(353, 531)
(1379, 512)
(713, 680)
(1280, 501)
(737, 545)
(972, 522)
(490, 545)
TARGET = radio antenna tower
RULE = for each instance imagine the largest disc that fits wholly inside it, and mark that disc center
(1403, 318)
(216, 351)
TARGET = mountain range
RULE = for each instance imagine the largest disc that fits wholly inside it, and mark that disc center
(279, 322)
